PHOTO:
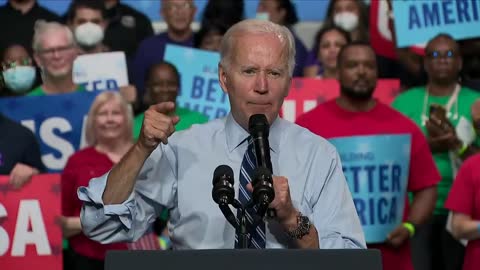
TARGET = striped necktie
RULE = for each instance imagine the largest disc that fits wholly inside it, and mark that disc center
(246, 173)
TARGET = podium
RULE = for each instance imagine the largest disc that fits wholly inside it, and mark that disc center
(251, 259)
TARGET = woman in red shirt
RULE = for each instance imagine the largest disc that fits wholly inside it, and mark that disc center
(464, 201)
(109, 136)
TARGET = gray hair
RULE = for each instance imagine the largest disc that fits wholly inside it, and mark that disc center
(255, 26)
(43, 27)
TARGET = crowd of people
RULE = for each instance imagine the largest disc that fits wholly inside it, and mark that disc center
(135, 185)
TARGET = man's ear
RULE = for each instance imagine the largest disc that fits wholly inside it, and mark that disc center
(37, 60)
(222, 76)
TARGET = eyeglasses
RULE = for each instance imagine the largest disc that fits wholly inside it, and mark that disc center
(437, 54)
(172, 7)
(51, 51)
(14, 63)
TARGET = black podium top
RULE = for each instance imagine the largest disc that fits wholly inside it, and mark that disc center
(228, 259)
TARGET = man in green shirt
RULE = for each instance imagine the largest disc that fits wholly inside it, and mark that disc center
(54, 52)
(162, 84)
(451, 137)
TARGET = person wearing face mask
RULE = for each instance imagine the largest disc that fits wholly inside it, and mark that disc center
(348, 15)
(351, 16)
(18, 72)
(86, 18)
(163, 84)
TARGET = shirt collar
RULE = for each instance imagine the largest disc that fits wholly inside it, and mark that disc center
(236, 134)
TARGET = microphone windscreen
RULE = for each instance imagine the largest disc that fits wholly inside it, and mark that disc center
(221, 171)
(258, 123)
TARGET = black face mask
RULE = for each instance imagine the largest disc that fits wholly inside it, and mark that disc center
(355, 95)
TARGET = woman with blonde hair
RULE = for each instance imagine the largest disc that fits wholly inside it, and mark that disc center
(109, 136)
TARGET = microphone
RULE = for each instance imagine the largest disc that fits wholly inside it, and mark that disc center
(223, 192)
(259, 128)
(263, 192)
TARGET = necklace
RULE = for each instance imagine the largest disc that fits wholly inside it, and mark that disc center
(453, 99)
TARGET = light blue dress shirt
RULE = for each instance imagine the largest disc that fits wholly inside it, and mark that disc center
(179, 176)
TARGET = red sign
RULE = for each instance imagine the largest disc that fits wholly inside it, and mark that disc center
(30, 232)
(380, 32)
(305, 94)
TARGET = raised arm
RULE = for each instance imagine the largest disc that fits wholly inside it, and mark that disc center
(158, 125)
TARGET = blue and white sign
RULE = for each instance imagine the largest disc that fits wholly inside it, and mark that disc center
(101, 71)
(417, 21)
(58, 122)
(200, 89)
(377, 169)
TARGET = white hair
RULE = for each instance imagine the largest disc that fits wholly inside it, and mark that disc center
(43, 27)
(255, 26)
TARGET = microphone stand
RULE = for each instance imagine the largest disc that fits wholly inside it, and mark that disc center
(240, 224)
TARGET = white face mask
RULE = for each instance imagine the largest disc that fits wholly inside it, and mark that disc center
(262, 16)
(88, 34)
(348, 21)
(20, 78)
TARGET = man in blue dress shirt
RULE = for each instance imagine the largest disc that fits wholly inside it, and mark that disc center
(174, 169)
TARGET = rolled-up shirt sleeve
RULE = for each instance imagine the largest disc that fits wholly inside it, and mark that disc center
(334, 214)
(155, 189)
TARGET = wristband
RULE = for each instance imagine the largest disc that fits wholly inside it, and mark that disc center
(410, 228)
(462, 150)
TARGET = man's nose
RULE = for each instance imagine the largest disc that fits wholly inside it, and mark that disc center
(261, 85)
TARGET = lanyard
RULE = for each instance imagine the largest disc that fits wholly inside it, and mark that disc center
(452, 100)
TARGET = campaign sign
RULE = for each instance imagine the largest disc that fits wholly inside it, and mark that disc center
(418, 21)
(101, 71)
(58, 122)
(376, 169)
(306, 94)
(30, 232)
(199, 89)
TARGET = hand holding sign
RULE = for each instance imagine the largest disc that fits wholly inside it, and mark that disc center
(158, 124)
(21, 174)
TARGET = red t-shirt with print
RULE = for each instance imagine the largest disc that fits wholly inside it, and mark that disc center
(464, 197)
(331, 121)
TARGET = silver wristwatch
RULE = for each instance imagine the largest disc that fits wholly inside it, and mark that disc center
(302, 229)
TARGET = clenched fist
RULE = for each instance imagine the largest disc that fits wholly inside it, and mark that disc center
(158, 124)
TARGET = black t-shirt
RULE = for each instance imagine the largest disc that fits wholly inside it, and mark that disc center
(126, 29)
(17, 28)
(17, 145)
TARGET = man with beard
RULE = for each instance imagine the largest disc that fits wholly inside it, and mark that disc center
(162, 85)
(383, 154)
(442, 109)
